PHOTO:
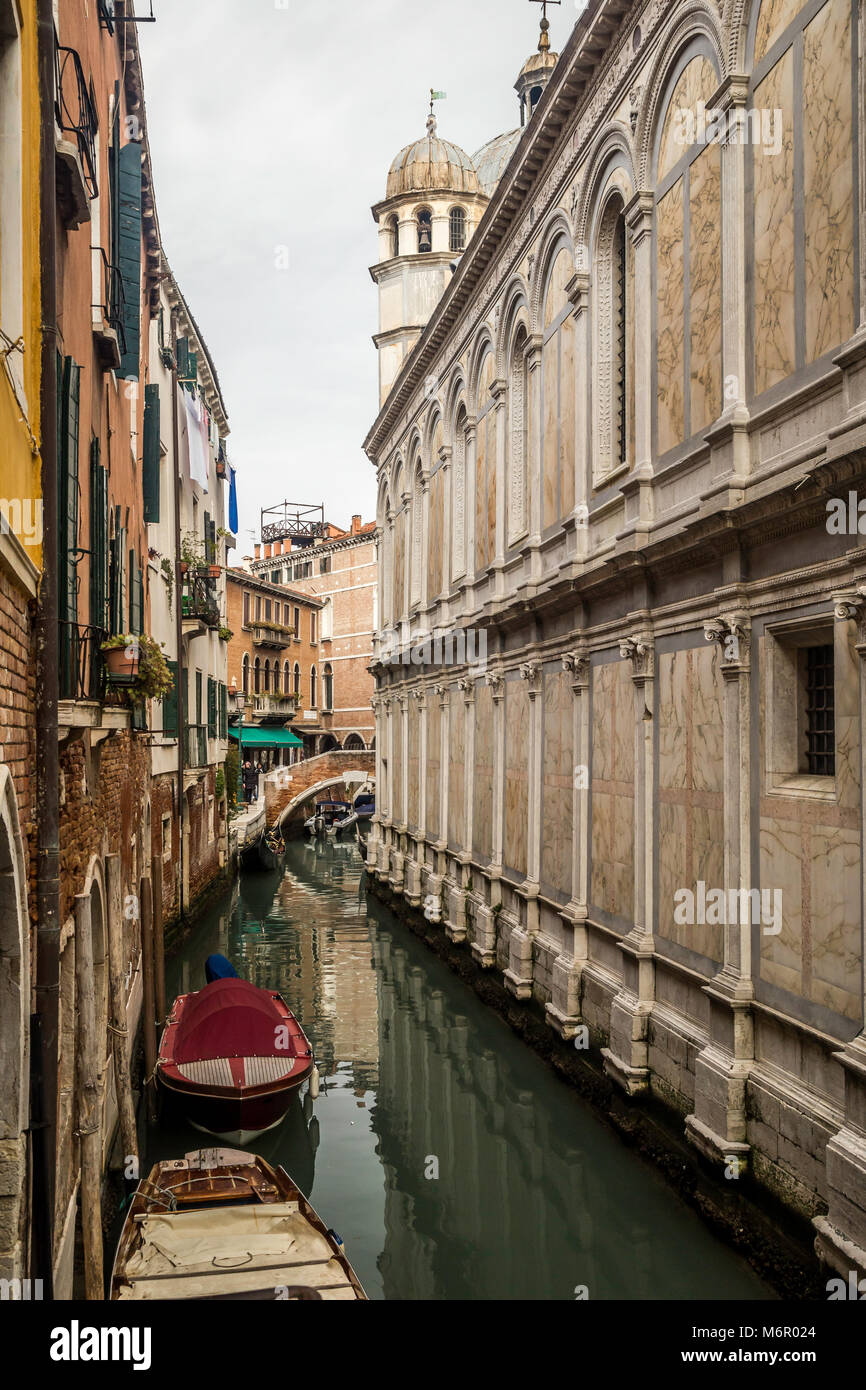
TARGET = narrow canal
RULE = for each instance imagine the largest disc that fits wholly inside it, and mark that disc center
(449, 1158)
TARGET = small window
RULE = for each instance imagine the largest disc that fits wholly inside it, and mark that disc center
(258, 608)
(275, 576)
(394, 235)
(325, 565)
(313, 629)
(296, 679)
(819, 713)
(268, 607)
(246, 608)
(166, 837)
(313, 687)
(425, 231)
(457, 229)
(245, 670)
(297, 623)
(328, 687)
(257, 677)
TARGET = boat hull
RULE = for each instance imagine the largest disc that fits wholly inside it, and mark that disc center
(228, 1115)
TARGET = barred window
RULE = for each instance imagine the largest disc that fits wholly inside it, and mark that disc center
(457, 228)
(820, 715)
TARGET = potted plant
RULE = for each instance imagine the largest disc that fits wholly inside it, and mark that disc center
(122, 658)
(226, 634)
(138, 663)
(221, 468)
(214, 571)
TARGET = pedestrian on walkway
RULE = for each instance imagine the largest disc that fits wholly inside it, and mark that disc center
(251, 783)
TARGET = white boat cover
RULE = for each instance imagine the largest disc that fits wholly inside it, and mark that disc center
(227, 1250)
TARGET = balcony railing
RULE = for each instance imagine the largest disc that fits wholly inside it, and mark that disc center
(271, 635)
(195, 747)
(75, 112)
(113, 299)
(81, 663)
(276, 705)
(200, 600)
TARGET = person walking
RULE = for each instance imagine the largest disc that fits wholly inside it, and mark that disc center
(251, 782)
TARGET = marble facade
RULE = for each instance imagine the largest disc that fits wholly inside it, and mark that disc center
(634, 732)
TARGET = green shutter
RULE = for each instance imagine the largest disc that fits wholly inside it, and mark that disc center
(224, 711)
(129, 255)
(67, 529)
(193, 368)
(170, 721)
(150, 479)
(211, 707)
(99, 617)
(183, 358)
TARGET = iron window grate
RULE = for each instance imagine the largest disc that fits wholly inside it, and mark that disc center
(820, 712)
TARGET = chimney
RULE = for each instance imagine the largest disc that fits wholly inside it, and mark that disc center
(356, 525)
(258, 551)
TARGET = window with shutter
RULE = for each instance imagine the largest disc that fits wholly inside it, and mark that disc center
(150, 475)
(182, 358)
(67, 530)
(129, 255)
(211, 707)
(170, 720)
(99, 617)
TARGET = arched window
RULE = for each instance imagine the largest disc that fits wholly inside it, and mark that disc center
(296, 679)
(612, 329)
(457, 229)
(267, 677)
(313, 687)
(436, 539)
(401, 546)
(425, 230)
(287, 678)
(276, 678)
(328, 687)
(257, 677)
(245, 674)
(394, 234)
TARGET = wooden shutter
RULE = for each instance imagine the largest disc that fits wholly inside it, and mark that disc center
(68, 485)
(211, 707)
(170, 705)
(224, 711)
(129, 255)
(183, 358)
(99, 616)
(150, 476)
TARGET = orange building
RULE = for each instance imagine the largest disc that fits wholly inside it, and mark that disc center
(276, 659)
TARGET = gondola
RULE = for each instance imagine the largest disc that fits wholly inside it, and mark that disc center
(272, 848)
(221, 1225)
(231, 1057)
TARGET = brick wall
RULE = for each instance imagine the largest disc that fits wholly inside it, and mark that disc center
(18, 713)
(163, 802)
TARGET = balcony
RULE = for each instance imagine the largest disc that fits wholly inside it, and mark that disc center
(75, 139)
(199, 604)
(108, 327)
(275, 707)
(272, 635)
(85, 699)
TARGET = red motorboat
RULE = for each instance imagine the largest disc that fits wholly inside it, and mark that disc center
(233, 1056)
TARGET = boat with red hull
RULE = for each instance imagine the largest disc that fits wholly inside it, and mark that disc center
(232, 1056)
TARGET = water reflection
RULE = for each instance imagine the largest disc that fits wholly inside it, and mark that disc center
(448, 1157)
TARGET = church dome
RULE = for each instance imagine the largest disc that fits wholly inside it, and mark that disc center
(539, 63)
(432, 165)
(492, 160)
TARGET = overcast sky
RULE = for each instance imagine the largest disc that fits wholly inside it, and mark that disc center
(272, 125)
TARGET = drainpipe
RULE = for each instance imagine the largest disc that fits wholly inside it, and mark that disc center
(178, 582)
(47, 991)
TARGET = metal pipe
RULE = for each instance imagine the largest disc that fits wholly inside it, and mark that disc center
(47, 991)
(181, 675)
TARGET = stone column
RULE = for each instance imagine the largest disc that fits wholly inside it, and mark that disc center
(372, 846)
(563, 1010)
(718, 1125)
(841, 1234)
(578, 294)
(446, 454)
(639, 219)
(388, 743)
(436, 879)
(412, 888)
(626, 1059)
(518, 976)
(729, 437)
(533, 454)
(469, 483)
(455, 920)
(500, 397)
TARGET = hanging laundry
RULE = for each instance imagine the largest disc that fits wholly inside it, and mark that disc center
(198, 459)
(233, 502)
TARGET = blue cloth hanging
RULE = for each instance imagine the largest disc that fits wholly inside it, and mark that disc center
(233, 502)
(218, 968)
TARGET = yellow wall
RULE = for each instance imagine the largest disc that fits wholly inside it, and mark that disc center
(19, 466)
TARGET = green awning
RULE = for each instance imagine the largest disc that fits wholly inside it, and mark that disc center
(252, 737)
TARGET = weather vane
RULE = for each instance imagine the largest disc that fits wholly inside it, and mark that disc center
(544, 41)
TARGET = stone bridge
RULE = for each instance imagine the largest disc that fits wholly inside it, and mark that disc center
(288, 788)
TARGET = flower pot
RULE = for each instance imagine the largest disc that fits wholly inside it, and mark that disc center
(120, 668)
(184, 566)
(214, 571)
(221, 470)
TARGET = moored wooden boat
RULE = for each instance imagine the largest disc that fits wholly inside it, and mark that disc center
(220, 1224)
(232, 1056)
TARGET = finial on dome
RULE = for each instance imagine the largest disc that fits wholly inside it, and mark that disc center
(431, 119)
(544, 40)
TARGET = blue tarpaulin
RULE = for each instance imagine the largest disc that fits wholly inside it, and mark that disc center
(233, 501)
(218, 968)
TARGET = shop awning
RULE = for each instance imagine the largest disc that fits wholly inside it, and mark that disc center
(265, 738)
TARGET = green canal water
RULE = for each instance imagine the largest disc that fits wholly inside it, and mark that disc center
(451, 1161)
